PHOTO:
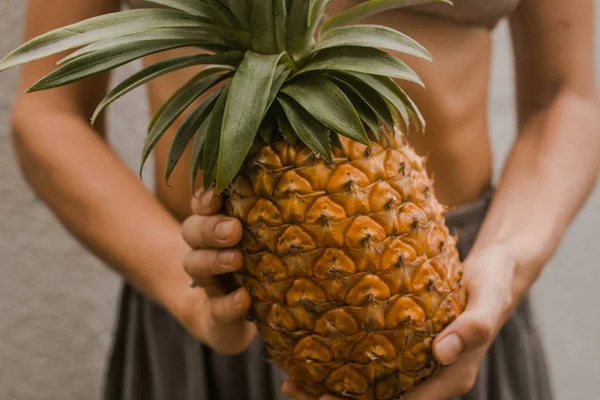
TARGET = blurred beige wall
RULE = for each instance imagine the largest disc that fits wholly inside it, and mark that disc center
(57, 302)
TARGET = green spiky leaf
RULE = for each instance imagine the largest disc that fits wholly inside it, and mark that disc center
(267, 128)
(199, 37)
(246, 107)
(366, 60)
(297, 24)
(336, 143)
(317, 12)
(372, 7)
(211, 150)
(280, 10)
(281, 74)
(328, 104)
(286, 129)
(308, 129)
(263, 26)
(395, 95)
(372, 36)
(221, 7)
(413, 111)
(364, 112)
(104, 60)
(241, 10)
(186, 132)
(199, 9)
(176, 105)
(96, 29)
(164, 67)
(197, 150)
(368, 95)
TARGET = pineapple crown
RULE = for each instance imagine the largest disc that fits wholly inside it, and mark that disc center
(287, 70)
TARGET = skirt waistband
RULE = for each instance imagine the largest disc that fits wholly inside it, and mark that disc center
(471, 213)
(465, 221)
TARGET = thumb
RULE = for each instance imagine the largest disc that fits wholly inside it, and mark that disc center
(488, 285)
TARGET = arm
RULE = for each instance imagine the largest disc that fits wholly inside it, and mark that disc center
(552, 168)
(555, 161)
(93, 193)
(79, 177)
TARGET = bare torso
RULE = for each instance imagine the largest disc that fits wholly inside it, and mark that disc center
(454, 105)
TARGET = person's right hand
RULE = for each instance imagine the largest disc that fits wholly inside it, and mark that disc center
(218, 321)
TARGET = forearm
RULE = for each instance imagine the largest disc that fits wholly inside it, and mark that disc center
(548, 176)
(101, 201)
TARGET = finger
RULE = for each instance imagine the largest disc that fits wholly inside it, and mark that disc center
(292, 390)
(211, 286)
(231, 307)
(203, 264)
(206, 203)
(216, 231)
(489, 299)
(216, 286)
(435, 388)
(449, 382)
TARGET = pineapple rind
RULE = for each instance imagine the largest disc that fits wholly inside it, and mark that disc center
(350, 265)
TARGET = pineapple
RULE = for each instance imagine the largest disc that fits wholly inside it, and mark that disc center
(348, 260)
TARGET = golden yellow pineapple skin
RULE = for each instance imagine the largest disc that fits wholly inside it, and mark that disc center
(350, 266)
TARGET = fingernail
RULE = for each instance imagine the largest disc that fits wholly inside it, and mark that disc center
(226, 257)
(449, 349)
(237, 297)
(223, 229)
(207, 198)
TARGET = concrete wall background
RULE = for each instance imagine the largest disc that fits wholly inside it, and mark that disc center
(57, 302)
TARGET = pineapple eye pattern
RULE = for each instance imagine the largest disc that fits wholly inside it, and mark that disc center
(362, 276)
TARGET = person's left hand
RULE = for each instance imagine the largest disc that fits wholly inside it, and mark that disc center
(460, 348)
